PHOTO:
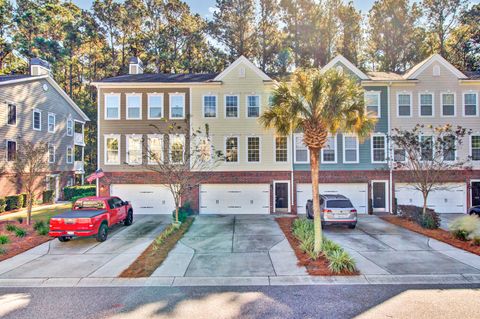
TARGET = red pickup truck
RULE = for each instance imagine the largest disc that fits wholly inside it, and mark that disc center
(91, 216)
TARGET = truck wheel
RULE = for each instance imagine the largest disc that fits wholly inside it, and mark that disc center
(352, 226)
(64, 239)
(102, 232)
(129, 219)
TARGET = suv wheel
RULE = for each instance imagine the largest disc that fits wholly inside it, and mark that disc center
(102, 232)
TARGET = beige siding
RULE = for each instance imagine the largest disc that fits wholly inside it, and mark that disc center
(28, 96)
(446, 82)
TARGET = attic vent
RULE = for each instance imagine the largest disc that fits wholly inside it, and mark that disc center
(436, 70)
(339, 69)
(241, 72)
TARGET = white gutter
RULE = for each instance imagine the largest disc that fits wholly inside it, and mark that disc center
(98, 140)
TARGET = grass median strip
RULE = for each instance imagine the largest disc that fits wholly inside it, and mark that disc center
(157, 252)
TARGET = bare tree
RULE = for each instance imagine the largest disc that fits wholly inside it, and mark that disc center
(30, 167)
(427, 155)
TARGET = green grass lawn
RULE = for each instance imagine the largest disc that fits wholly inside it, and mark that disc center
(43, 214)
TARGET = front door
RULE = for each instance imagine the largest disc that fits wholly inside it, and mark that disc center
(475, 193)
(379, 196)
(282, 191)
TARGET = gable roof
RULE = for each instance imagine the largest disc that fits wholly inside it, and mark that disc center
(420, 67)
(19, 79)
(340, 58)
(247, 62)
(161, 78)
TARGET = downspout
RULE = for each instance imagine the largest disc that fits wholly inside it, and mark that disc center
(390, 152)
(293, 204)
(98, 140)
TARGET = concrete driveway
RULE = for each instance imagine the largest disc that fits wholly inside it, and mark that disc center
(85, 257)
(381, 248)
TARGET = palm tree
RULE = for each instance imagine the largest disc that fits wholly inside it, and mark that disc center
(318, 104)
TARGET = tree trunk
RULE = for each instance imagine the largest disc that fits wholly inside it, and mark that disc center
(317, 222)
(29, 208)
(425, 196)
(176, 213)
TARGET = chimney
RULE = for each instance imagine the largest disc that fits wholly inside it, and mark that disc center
(39, 67)
(135, 66)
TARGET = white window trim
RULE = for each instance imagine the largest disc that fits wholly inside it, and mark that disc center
(275, 149)
(16, 148)
(54, 122)
(70, 121)
(127, 107)
(71, 157)
(119, 107)
(170, 138)
(225, 106)
(420, 103)
(54, 155)
(16, 114)
(379, 95)
(335, 150)
(384, 148)
(357, 149)
(454, 104)
(161, 95)
(295, 150)
(170, 96)
(33, 120)
(216, 106)
(118, 137)
(476, 100)
(259, 149)
(470, 147)
(225, 149)
(398, 104)
(161, 138)
(259, 106)
(127, 148)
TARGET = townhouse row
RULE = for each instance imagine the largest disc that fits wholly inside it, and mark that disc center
(265, 173)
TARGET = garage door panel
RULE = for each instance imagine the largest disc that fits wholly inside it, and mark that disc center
(235, 199)
(450, 199)
(356, 192)
(145, 198)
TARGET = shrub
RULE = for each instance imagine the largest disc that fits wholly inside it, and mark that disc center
(464, 227)
(41, 227)
(339, 261)
(20, 220)
(20, 232)
(74, 199)
(475, 239)
(4, 239)
(3, 205)
(70, 192)
(24, 200)
(10, 227)
(328, 247)
(39, 224)
(43, 231)
(14, 202)
(302, 229)
(430, 220)
(183, 212)
(3, 251)
(47, 196)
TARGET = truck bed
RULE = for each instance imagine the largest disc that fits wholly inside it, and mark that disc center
(81, 213)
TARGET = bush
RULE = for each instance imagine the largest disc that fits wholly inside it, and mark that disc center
(464, 227)
(14, 202)
(183, 212)
(3, 205)
(39, 224)
(4, 239)
(10, 227)
(430, 220)
(74, 199)
(20, 232)
(47, 196)
(70, 192)
(41, 227)
(24, 198)
(43, 231)
(3, 251)
(339, 261)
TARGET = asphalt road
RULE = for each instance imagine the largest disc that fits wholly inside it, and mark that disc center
(348, 301)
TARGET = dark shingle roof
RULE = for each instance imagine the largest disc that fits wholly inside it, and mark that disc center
(4, 78)
(162, 78)
(473, 75)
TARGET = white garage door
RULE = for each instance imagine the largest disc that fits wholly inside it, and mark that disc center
(449, 200)
(145, 198)
(235, 199)
(357, 193)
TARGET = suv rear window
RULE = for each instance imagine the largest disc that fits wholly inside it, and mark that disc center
(339, 203)
(89, 204)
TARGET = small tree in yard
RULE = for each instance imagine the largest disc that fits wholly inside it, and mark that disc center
(30, 167)
(182, 161)
(427, 155)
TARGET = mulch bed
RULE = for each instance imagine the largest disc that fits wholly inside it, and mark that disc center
(318, 267)
(438, 234)
(18, 245)
(155, 255)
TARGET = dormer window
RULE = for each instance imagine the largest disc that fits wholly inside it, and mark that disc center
(436, 70)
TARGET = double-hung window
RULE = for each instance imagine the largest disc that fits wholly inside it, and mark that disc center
(155, 149)
(177, 146)
(231, 149)
(475, 147)
(426, 148)
(301, 150)
(399, 154)
(449, 149)
(281, 149)
(134, 106)
(426, 104)
(112, 106)
(112, 149)
(11, 114)
(231, 106)
(51, 153)
(379, 148)
(448, 104)
(69, 155)
(329, 150)
(350, 149)
(470, 104)
(134, 149)
(253, 105)
(404, 101)
(11, 151)
(253, 149)
(177, 106)
(155, 106)
(37, 120)
(372, 103)
(69, 127)
(51, 122)
(209, 106)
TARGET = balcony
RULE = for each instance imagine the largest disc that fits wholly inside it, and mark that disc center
(78, 139)
(79, 167)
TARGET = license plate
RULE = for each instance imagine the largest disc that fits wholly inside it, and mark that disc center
(341, 215)
(70, 233)
(69, 221)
